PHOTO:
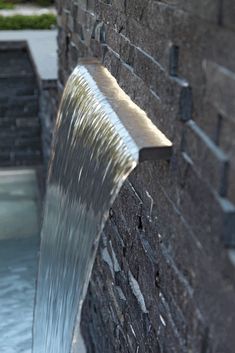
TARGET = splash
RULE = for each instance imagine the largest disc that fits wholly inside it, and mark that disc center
(93, 153)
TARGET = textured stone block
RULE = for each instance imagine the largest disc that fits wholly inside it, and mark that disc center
(178, 190)
(228, 14)
(210, 161)
(194, 205)
(113, 39)
(126, 50)
(220, 85)
(231, 182)
(146, 68)
(225, 135)
(119, 5)
(217, 51)
(147, 39)
(168, 228)
(135, 9)
(18, 86)
(16, 106)
(112, 62)
(206, 9)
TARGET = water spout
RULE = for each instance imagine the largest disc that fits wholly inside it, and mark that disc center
(100, 136)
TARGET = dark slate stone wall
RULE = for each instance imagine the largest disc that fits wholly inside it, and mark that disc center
(20, 132)
(48, 104)
(163, 280)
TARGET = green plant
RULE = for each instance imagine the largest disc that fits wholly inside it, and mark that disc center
(44, 3)
(27, 22)
(6, 5)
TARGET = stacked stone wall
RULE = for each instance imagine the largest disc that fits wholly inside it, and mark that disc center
(163, 280)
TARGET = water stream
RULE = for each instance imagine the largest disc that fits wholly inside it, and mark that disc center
(92, 155)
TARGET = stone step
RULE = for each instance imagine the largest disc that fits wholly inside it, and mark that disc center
(24, 157)
(13, 45)
(29, 157)
(26, 106)
(34, 143)
(12, 86)
(15, 61)
(7, 141)
(19, 74)
(19, 122)
(16, 71)
(11, 132)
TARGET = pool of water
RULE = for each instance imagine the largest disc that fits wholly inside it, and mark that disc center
(19, 247)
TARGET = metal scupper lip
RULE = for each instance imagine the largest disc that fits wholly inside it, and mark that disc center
(151, 143)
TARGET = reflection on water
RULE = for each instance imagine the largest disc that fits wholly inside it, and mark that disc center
(92, 155)
(19, 244)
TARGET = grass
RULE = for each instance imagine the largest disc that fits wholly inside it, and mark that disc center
(6, 5)
(46, 21)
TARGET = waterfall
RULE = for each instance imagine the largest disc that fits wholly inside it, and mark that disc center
(93, 153)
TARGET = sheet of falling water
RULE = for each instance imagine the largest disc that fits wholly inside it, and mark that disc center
(92, 156)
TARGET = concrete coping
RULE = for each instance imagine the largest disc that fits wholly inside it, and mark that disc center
(43, 49)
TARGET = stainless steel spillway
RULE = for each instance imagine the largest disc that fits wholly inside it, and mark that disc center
(151, 143)
(99, 138)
